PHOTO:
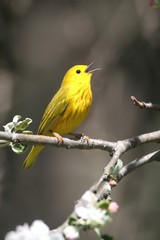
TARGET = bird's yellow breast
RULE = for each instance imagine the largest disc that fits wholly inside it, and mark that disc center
(79, 104)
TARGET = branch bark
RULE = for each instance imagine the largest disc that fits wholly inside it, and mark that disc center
(52, 141)
(137, 163)
(145, 105)
(116, 150)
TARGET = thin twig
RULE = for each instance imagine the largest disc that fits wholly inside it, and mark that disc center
(145, 105)
(137, 163)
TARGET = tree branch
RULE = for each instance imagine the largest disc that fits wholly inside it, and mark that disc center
(137, 163)
(116, 148)
(145, 105)
(52, 141)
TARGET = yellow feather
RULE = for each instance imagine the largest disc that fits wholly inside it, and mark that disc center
(67, 109)
(32, 156)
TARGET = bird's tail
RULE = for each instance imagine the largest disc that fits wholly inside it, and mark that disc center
(31, 158)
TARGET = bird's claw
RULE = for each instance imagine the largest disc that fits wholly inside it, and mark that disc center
(59, 137)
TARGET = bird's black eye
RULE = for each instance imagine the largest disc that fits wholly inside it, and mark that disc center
(78, 71)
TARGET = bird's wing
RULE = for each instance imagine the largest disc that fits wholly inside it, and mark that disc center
(53, 112)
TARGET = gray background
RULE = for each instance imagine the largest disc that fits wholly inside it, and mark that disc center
(39, 42)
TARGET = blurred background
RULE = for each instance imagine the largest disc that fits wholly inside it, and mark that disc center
(39, 41)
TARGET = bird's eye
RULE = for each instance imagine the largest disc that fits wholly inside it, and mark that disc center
(78, 71)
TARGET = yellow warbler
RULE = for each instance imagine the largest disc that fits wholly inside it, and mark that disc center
(67, 109)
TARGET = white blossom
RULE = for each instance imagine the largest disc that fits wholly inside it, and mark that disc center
(88, 213)
(89, 198)
(38, 231)
(92, 216)
(71, 233)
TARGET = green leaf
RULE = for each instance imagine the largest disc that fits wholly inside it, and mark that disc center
(18, 148)
(8, 127)
(16, 118)
(106, 237)
(116, 168)
(17, 125)
(22, 125)
(72, 221)
(103, 204)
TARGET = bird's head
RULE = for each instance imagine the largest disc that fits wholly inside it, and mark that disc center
(79, 75)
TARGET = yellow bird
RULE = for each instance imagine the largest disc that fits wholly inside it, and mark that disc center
(67, 109)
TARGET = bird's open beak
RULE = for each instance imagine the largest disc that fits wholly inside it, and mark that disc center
(92, 70)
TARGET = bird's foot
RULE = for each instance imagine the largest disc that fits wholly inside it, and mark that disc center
(59, 137)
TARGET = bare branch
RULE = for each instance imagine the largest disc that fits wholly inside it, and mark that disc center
(116, 149)
(121, 147)
(145, 105)
(130, 167)
(52, 141)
